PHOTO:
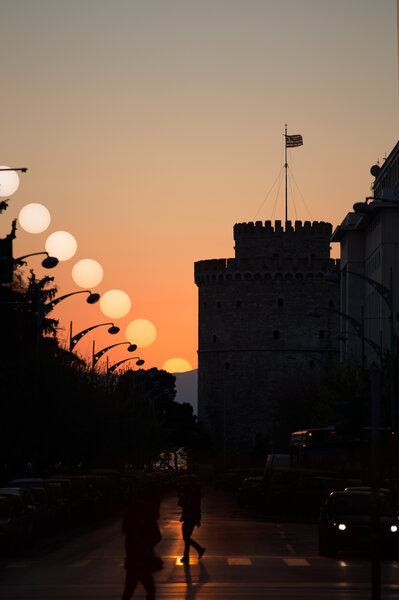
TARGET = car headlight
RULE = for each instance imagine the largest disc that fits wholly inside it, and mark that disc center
(394, 528)
(341, 526)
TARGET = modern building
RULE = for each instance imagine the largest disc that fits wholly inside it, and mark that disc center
(253, 319)
(369, 240)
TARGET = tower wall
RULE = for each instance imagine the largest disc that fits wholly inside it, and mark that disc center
(252, 314)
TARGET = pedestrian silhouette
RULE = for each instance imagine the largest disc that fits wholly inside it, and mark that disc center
(141, 535)
(189, 498)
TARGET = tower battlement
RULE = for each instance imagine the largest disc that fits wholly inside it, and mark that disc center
(258, 268)
(264, 239)
(306, 228)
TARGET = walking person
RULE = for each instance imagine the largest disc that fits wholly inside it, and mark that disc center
(141, 535)
(189, 495)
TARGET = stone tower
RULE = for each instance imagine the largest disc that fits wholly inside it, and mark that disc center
(252, 317)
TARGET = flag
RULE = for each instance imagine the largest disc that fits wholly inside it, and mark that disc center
(291, 141)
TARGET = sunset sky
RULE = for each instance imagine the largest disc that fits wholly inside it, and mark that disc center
(150, 127)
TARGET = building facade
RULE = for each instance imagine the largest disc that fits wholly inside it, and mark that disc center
(253, 319)
(369, 241)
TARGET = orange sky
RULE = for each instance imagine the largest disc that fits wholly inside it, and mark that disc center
(150, 128)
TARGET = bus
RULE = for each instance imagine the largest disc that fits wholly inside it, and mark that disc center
(344, 453)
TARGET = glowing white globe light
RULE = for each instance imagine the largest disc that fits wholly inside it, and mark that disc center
(177, 365)
(61, 244)
(115, 304)
(87, 273)
(34, 218)
(141, 332)
(9, 182)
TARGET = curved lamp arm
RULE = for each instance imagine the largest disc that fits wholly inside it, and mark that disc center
(22, 169)
(112, 368)
(318, 361)
(381, 289)
(376, 347)
(74, 339)
(48, 263)
(92, 299)
(100, 353)
(357, 325)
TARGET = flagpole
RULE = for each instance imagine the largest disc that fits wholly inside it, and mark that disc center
(286, 167)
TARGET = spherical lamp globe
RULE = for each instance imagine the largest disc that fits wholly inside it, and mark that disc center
(34, 217)
(9, 182)
(141, 332)
(87, 273)
(115, 304)
(62, 245)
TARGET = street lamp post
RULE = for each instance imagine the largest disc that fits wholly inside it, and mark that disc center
(43, 309)
(48, 263)
(74, 339)
(111, 369)
(375, 393)
(366, 209)
(387, 295)
(100, 353)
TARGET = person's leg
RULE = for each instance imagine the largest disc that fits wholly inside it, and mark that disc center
(195, 545)
(149, 585)
(187, 529)
(200, 549)
(130, 585)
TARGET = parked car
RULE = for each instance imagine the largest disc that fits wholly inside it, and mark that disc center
(19, 524)
(42, 500)
(24, 510)
(251, 491)
(345, 522)
(11, 530)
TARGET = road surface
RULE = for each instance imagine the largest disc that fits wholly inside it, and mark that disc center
(247, 558)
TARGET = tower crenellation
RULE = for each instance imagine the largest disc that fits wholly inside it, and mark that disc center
(300, 268)
(258, 239)
(267, 229)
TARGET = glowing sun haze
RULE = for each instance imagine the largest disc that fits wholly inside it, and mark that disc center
(9, 182)
(177, 365)
(62, 245)
(141, 332)
(87, 273)
(34, 218)
(150, 128)
(115, 304)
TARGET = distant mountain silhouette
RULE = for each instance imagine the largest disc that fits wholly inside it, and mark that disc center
(186, 388)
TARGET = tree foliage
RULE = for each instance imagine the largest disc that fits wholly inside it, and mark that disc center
(56, 411)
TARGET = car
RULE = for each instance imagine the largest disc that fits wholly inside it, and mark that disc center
(11, 526)
(251, 491)
(345, 522)
(42, 501)
(15, 527)
(23, 506)
(291, 495)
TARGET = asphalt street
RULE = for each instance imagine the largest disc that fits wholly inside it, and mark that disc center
(247, 557)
